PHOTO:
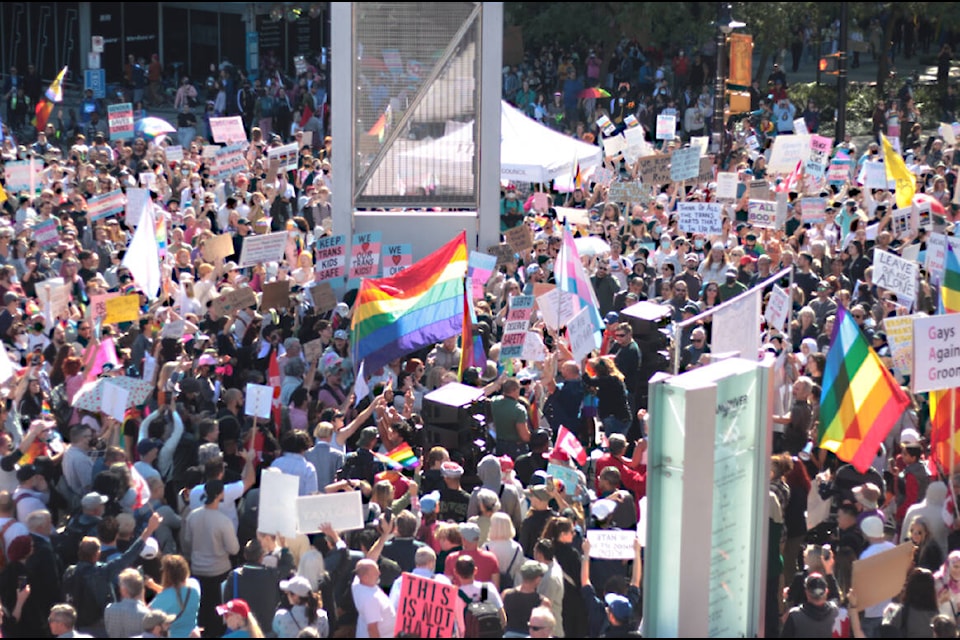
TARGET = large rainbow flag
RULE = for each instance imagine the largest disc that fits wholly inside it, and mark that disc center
(420, 306)
(860, 400)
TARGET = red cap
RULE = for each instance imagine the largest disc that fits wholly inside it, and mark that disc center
(237, 606)
(506, 464)
(747, 260)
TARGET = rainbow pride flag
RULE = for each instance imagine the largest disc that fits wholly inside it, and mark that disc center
(471, 344)
(404, 456)
(860, 400)
(950, 287)
(53, 95)
(418, 307)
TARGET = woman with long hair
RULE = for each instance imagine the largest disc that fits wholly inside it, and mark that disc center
(501, 542)
(927, 553)
(304, 608)
(805, 326)
(714, 267)
(180, 595)
(948, 585)
(561, 532)
(240, 621)
(709, 298)
(613, 409)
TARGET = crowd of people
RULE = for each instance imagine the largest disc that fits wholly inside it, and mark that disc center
(148, 525)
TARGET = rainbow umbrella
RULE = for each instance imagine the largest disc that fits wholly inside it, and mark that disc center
(594, 92)
(153, 127)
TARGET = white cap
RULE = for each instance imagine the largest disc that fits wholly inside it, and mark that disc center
(602, 509)
(151, 548)
(872, 527)
(909, 436)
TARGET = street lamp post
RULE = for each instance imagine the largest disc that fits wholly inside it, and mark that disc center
(725, 25)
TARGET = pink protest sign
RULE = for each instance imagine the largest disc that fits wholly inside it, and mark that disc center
(120, 121)
(365, 255)
(395, 258)
(331, 258)
(228, 130)
(428, 609)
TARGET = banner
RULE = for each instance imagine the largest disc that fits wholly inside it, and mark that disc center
(428, 609)
(701, 217)
(266, 248)
(685, 164)
(228, 130)
(120, 121)
(896, 274)
(737, 327)
(519, 310)
(122, 309)
(395, 258)
(287, 157)
(105, 205)
(936, 356)
(331, 260)
(365, 255)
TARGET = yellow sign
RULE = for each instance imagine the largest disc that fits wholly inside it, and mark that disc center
(123, 309)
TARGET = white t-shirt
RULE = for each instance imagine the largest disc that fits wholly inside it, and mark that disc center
(474, 589)
(373, 606)
(228, 506)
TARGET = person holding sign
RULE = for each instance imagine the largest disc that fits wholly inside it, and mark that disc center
(613, 617)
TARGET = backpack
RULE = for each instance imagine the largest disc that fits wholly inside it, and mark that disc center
(3, 547)
(482, 618)
(61, 407)
(506, 576)
(88, 592)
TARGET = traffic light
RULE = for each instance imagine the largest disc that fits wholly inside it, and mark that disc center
(830, 64)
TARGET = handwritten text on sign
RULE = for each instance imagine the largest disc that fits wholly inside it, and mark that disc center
(895, 274)
(581, 333)
(427, 608)
(515, 327)
(331, 258)
(762, 213)
(611, 544)
(267, 248)
(228, 130)
(685, 164)
(701, 217)
(396, 258)
(365, 255)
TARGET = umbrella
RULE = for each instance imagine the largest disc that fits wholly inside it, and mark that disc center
(153, 127)
(594, 92)
(935, 205)
(90, 395)
(591, 246)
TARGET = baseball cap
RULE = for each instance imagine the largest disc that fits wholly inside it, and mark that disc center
(93, 499)
(619, 606)
(27, 471)
(531, 569)
(146, 446)
(451, 469)
(340, 334)
(470, 531)
(151, 549)
(429, 502)
(872, 527)
(909, 436)
(238, 606)
(297, 585)
(368, 435)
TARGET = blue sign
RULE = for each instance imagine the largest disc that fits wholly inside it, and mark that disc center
(96, 81)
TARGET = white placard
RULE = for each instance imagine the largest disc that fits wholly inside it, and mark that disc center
(614, 146)
(763, 214)
(778, 309)
(936, 258)
(642, 521)
(611, 544)
(557, 308)
(228, 130)
(113, 400)
(580, 330)
(873, 175)
(800, 127)
(936, 358)
(700, 142)
(896, 274)
(277, 492)
(701, 217)
(666, 127)
(737, 327)
(173, 153)
(287, 155)
(727, 185)
(685, 164)
(137, 199)
(54, 297)
(787, 152)
(259, 400)
(343, 511)
(266, 248)
(533, 348)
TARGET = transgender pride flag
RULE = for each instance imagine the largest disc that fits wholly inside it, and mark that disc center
(571, 278)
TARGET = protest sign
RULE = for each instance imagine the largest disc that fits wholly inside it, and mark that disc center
(903, 221)
(611, 544)
(46, 233)
(120, 121)
(312, 351)
(54, 297)
(778, 309)
(331, 257)
(601, 175)
(209, 151)
(265, 248)
(557, 308)
(287, 157)
(343, 511)
(787, 152)
(628, 192)
(606, 125)
(701, 217)
(899, 330)
(762, 214)
(736, 327)
(277, 492)
(22, 175)
(541, 201)
(228, 130)
(229, 161)
(637, 145)
(566, 475)
(819, 158)
(276, 295)
(727, 185)
(800, 126)
(881, 576)
(480, 267)
(533, 348)
(173, 153)
(427, 609)
(365, 255)
(324, 298)
(923, 214)
(395, 258)
(614, 146)
(239, 298)
(174, 329)
(654, 170)
(685, 164)
(259, 400)
(936, 258)
(122, 309)
(581, 331)
(520, 238)
(137, 200)
(519, 310)
(706, 174)
(97, 309)
(105, 205)
(813, 210)
(217, 248)
(759, 189)
(666, 127)
(700, 142)
(936, 358)
(873, 175)
(113, 400)
(504, 254)
(838, 172)
(896, 274)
